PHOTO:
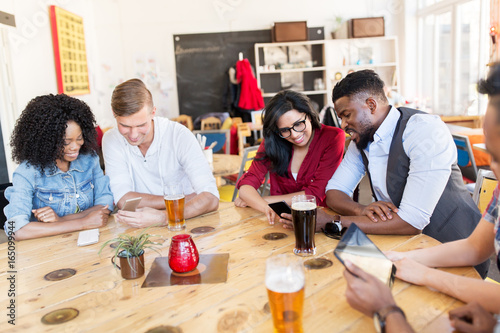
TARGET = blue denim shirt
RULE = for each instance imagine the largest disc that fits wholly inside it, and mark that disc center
(83, 186)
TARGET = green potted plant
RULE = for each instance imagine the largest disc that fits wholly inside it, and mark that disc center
(130, 250)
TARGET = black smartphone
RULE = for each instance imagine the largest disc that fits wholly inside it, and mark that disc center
(280, 207)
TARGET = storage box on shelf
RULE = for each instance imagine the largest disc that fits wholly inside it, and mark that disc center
(314, 67)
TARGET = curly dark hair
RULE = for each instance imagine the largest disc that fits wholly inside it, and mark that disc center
(38, 137)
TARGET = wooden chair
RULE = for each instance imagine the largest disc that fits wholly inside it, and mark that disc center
(230, 190)
(466, 161)
(185, 120)
(210, 123)
(221, 136)
(243, 133)
(483, 191)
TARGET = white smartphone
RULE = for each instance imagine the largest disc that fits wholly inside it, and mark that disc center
(88, 237)
(130, 205)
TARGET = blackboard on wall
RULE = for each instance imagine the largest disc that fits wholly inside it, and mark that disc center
(4, 173)
(203, 60)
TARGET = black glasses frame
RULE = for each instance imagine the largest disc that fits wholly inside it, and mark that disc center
(289, 129)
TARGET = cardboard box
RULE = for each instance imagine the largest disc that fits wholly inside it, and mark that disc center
(289, 31)
(366, 27)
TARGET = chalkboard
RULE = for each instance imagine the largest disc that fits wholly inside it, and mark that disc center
(202, 62)
(4, 174)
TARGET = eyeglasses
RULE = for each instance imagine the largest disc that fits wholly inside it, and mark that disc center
(299, 126)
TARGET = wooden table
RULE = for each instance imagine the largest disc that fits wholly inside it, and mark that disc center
(107, 303)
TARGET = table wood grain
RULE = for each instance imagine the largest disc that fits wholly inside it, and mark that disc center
(108, 303)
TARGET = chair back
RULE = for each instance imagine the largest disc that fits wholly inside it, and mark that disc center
(210, 123)
(222, 137)
(243, 133)
(465, 157)
(483, 191)
(248, 157)
(3, 203)
(185, 120)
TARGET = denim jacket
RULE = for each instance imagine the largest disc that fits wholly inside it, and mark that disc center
(83, 186)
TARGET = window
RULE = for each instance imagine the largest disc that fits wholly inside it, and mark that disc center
(453, 53)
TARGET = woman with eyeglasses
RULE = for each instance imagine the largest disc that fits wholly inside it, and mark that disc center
(298, 151)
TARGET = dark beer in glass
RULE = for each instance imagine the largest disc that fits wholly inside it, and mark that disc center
(304, 224)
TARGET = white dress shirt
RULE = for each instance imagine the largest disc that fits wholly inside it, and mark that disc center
(174, 157)
(431, 150)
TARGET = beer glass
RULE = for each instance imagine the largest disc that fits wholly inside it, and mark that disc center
(304, 224)
(285, 288)
(174, 203)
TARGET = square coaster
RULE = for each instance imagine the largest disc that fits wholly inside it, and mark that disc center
(212, 268)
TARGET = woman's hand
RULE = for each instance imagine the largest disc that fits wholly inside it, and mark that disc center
(411, 271)
(395, 255)
(45, 214)
(286, 220)
(142, 217)
(97, 218)
(240, 203)
(270, 214)
(382, 209)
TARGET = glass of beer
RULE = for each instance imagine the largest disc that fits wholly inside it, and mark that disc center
(285, 283)
(174, 203)
(304, 224)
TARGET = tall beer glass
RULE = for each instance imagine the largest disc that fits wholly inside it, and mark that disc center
(304, 224)
(174, 203)
(285, 288)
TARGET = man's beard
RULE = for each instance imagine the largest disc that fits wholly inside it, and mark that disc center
(365, 138)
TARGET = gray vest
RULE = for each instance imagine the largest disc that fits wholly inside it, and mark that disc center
(455, 215)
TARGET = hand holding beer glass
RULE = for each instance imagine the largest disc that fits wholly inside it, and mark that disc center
(304, 224)
(285, 288)
(174, 203)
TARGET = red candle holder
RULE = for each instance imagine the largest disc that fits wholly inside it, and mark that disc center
(183, 255)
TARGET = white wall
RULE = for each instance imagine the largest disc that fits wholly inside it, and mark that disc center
(130, 38)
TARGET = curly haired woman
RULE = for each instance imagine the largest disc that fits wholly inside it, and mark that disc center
(59, 186)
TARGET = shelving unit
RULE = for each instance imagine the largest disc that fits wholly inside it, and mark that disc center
(303, 64)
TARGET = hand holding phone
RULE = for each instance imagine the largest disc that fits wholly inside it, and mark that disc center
(130, 205)
(280, 207)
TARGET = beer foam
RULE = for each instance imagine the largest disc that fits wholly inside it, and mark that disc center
(303, 205)
(284, 283)
(173, 197)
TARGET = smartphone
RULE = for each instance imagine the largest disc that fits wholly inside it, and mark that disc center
(280, 207)
(130, 205)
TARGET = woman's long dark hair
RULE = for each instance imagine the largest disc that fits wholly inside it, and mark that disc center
(279, 150)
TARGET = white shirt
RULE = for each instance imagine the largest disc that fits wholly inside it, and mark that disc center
(431, 150)
(174, 157)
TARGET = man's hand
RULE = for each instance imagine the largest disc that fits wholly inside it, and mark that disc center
(382, 209)
(142, 217)
(45, 214)
(472, 318)
(365, 292)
